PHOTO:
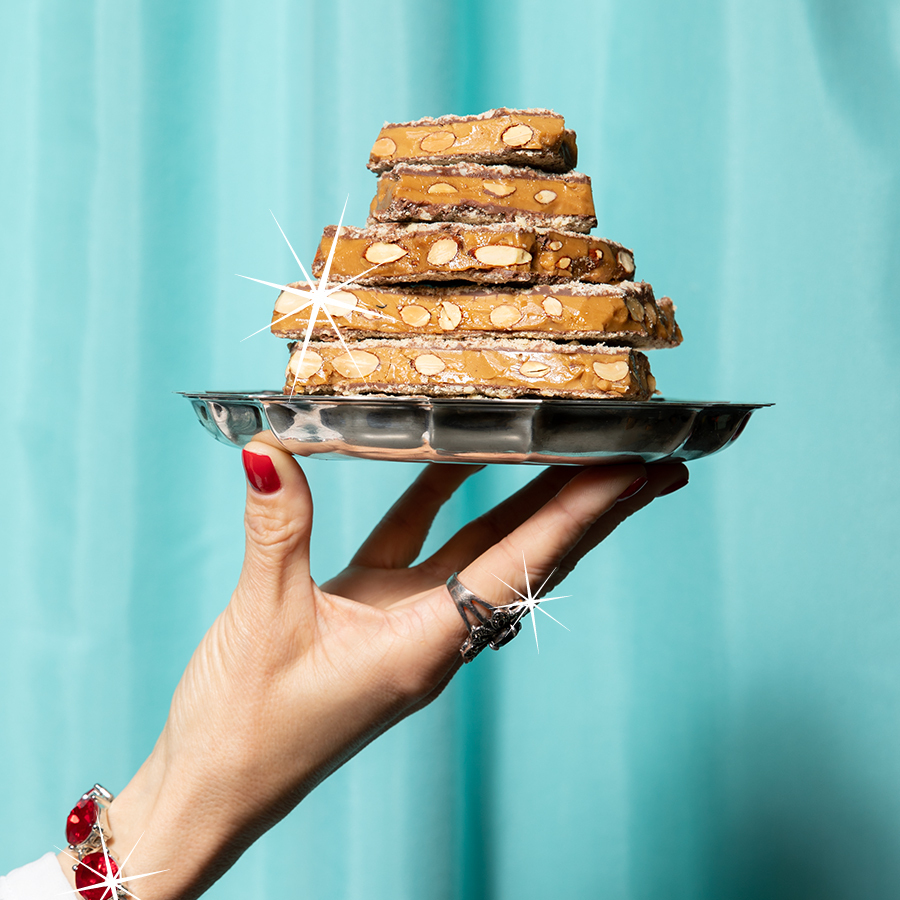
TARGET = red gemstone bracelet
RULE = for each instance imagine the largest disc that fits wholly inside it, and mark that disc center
(88, 840)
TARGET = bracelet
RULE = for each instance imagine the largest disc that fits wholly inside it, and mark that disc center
(96, 870)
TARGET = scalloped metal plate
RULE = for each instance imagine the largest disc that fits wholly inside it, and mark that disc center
(476, 430)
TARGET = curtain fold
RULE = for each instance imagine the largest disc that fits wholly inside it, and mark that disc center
(721, 720)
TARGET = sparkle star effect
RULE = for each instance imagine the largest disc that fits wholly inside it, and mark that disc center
(529, 603)
(108, 888)
(319, 298)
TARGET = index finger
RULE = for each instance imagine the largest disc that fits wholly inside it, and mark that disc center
(547, 536)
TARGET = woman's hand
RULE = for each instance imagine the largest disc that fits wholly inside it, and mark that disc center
(294, 678)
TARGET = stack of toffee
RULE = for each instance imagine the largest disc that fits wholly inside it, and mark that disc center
(481, 278)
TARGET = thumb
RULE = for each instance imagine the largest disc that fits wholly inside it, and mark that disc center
(278, 524)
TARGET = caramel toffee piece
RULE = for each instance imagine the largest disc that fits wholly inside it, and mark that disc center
(526, 137)
(484, 253)
(502, 368)
(626, 313)
(480, 195)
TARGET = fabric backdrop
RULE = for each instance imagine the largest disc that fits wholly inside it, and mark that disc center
(723, 719)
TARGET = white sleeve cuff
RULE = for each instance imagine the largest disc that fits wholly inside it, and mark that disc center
(40, 880)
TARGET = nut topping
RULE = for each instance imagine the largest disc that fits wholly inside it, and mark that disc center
(597, 254)
(437, 141)
(564, 262)
(442, 251)
(650, 314)
(635, 308)
(305, 368)
(613, 371)
(450, 316)
(341, 303)
(651, 383)
(626, 261)
(287, 303)
(505, 316)
(555, 245)
(552, 306)
(428, 364)
(531, 368)
(502, 255)
(380, 252)
(517, 135)
(545, 197)
(383, 147)
(356, 363)
(415, 316)
(498, 189)
(441, 187)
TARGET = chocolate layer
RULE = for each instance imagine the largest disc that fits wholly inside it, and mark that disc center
(626, 313)
(526, 137)
(509, 368)
(480, 253)
(479, 195)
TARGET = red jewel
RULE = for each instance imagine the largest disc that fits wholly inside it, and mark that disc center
(90, 875)
(80, 821)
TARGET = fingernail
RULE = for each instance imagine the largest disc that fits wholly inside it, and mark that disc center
(677, 486)
(633, 488)
(261, 472)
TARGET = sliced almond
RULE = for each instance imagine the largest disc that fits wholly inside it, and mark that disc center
(531, 368)
(383, 147)
(415, 316)
(499, 189)
(355, 364)
(437, 141)
(635, 308)
(613, 371)
(450, 316)
(502, 255)
(517, 135)
(564, 262)
(429, 364)
(287, 303)
(626, 261)
(304, 365)
(442, 251)
(442, 187)
(505, 316)
(552, 307)
(341, 303)
(650, 314)
(555, 245)
(651, 383)
(380, 252)
(545, 197)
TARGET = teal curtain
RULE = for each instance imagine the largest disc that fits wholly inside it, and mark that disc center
(723, 719)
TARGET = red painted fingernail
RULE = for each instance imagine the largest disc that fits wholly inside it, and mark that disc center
(633, 488)
(261, 472)
(677, 486)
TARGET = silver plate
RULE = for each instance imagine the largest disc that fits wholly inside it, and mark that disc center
(477, 430)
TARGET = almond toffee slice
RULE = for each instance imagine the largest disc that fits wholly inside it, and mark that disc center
(490, 368)
(447, 251)
(525, 137)
(626, 313)
(479, 195)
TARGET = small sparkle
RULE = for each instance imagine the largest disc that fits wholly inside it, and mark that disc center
(529, 602)
(318, 298)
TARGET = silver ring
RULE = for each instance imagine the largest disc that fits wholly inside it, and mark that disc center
(488, 626)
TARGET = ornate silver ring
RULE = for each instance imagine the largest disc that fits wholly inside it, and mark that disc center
(488, 626)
